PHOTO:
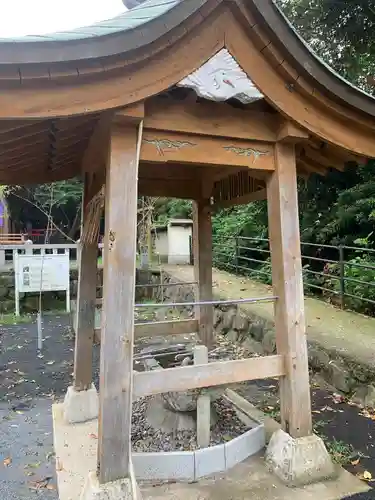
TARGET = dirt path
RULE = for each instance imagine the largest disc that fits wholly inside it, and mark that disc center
(28, 386)
(347, 430)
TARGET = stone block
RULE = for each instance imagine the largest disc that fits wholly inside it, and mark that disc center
(269, 342)
(318, 358)
(209, 460)
(3, 291)
(218, 316)
(175, 465)
(240, 323)
(81, 406)
(116, 490)
(340, 377)
(365, 396)
(240, 448)
(299, 461)
(228, 319)
(251, 345)
(232, 335)
(257, 331)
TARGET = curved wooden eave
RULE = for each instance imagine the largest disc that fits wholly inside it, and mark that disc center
(240, 26)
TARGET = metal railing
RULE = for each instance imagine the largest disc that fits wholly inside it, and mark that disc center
(344, 275)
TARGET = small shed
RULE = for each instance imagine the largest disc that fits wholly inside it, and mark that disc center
(172, 241)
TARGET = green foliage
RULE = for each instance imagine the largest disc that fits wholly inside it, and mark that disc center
(340, 31)
(244, 220)
(171, 208)
(359, 282)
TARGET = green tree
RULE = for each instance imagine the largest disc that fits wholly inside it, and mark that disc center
(340, 31)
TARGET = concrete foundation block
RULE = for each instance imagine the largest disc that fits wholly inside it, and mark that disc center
(174, 465)
(116, 490)
(240, 448)
(81, 406)
(300, 461)
(209, 461)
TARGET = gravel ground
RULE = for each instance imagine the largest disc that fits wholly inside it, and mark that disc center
(146, 438)
(29, 384)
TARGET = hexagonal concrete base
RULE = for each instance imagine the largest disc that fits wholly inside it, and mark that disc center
(116, 490)
(300, 461)
(81, 406)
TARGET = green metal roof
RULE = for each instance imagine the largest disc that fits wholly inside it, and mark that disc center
(129, 20)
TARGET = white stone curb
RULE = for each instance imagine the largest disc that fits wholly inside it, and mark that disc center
(193, 465)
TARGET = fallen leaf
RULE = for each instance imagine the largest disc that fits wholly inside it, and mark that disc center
(50, 362)
(367, 475)
(338, 398)
(50, 487)
(41, 484)
(316, 411)
(34, 465)
(7, 461)
(93, 436)
(355, 462)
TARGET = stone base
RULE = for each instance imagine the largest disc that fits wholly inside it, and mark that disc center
(116, 490)
(81, 406)
(301, 461)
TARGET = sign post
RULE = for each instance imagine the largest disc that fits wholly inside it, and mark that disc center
(41, 273)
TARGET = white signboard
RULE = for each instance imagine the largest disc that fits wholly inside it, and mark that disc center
(42, 273)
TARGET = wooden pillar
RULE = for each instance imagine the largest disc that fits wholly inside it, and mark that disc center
(117, 331)
(288, 287)
(202, 249)
(86, 297)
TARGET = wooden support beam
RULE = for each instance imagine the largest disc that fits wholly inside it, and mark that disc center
(209, 118)
(162, 147)
(260, 194)
(202, 249)
(116, 353)
(169, 188)
(134, 113)
(96, 150)
(207, 375)
(291, 132)
(323, 158)
(311, 166)
(288, 287)
(85, 309)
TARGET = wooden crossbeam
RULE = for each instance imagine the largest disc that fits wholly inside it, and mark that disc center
(260, 194)
(160, 329)
(164, 147)
(212, 374)
(206, 118)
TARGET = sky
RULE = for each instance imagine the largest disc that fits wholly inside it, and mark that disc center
(38, 17)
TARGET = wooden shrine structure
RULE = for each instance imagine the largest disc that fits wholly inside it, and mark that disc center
(218, 101)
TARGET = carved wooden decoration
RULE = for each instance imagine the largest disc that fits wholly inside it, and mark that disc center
(221, 78)
(164, 145)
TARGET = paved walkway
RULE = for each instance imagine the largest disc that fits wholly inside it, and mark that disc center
(347, 333)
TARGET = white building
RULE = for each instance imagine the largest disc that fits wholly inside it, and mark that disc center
(172, 242)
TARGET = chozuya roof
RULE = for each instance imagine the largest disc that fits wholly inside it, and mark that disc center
(154, 19)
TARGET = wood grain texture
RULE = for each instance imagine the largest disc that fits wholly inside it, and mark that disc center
(202, 249)
(85, 317)
(207, 375)
(210, 118)
(161, 146)
(160, 329)
(288, 287)
(117, 335)
(260, 194)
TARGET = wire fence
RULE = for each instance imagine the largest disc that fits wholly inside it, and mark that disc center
(342, 275)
